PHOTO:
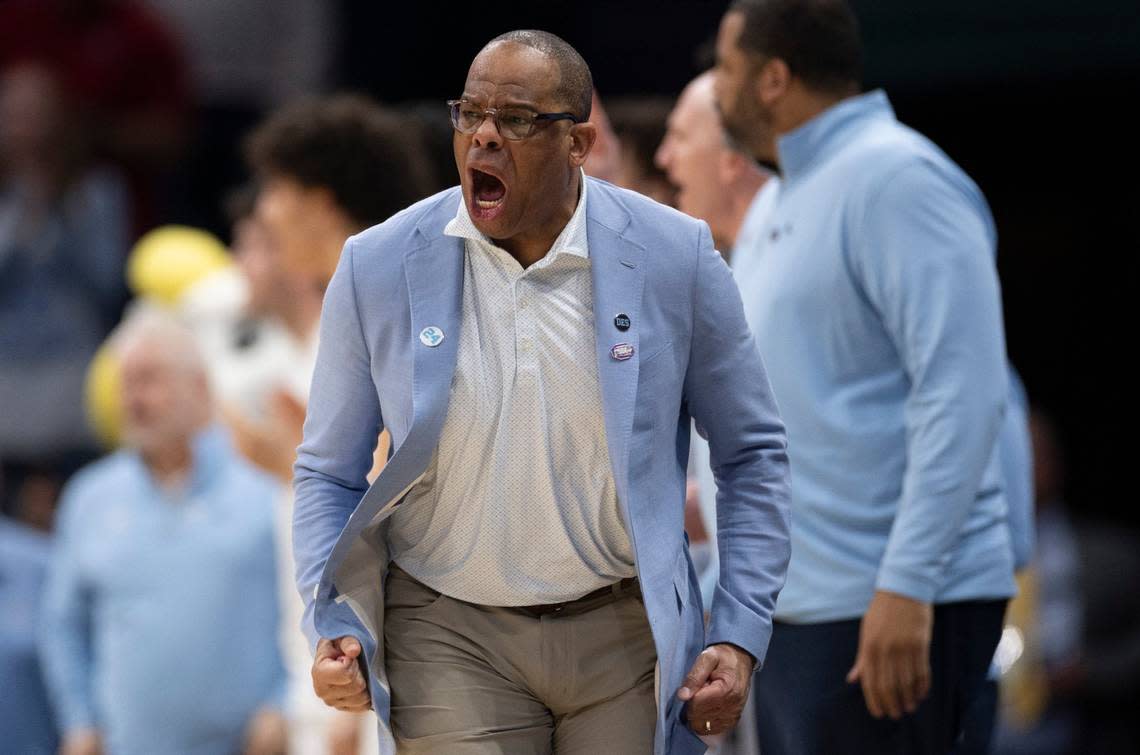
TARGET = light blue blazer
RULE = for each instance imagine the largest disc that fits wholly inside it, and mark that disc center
(693, 356)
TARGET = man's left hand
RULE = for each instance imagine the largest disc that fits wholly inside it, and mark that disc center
(266, 734)
(716, 688)
(893, 662)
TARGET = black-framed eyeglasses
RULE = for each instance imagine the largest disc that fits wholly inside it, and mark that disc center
(513, 123)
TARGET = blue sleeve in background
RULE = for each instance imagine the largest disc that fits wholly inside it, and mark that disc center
(66, 641)
(927, 266)
(1016, 450)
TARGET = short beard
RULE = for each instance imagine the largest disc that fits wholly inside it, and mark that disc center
(750, 129)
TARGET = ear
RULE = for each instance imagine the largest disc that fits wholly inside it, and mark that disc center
(321, 196)
(582, 137)
(772, 81)
(729, 164)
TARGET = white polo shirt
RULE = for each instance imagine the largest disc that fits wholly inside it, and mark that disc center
(519, 506)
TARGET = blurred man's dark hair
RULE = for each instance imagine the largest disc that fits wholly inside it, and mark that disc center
(639, 124)
(240, 202)
(369, 158)
(817, 39)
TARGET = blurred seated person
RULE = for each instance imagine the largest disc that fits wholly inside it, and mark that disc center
(63, 234)
(161, 606)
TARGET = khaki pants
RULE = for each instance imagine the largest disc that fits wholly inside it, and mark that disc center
(481, 679)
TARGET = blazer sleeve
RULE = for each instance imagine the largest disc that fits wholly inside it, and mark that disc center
(727, 391)
(341, 430)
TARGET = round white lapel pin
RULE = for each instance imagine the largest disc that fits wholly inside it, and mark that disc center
(431, 336)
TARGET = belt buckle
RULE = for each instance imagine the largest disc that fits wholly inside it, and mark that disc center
(543, 609)
(557, 608)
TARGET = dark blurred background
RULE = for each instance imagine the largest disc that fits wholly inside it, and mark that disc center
(1032, 98)
(121, 116)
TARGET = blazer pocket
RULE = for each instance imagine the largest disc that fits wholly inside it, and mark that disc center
(654, 369)
(657, 350)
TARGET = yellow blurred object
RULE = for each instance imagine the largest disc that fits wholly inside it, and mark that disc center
(101, 397)
(169, 260)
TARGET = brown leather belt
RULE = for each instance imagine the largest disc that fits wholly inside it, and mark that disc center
(595, 599)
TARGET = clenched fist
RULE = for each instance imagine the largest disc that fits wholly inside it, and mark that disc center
(716, 688)
(338, 675)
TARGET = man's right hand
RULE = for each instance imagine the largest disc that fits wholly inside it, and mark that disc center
(338, 675)
(82, 742)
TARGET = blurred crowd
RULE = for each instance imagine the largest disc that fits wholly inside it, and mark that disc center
(153, 381)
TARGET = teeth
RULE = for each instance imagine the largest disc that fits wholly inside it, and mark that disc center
(487, 204)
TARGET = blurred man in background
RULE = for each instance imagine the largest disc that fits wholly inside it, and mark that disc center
(330, 168)
(638, 125)
(246, 317)
(716, 181)
(162, 595)
(64, 230)
(875, 300)
(326, 169)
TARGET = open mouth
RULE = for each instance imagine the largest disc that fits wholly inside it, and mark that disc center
(487, 191)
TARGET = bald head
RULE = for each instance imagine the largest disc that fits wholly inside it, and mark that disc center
(165, 390)
(698, 103)
(575, 83)
(714, 179)
(148, 327)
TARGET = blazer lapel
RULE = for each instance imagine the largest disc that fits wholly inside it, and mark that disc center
(434, 275)
(435, 291)
(618, 275)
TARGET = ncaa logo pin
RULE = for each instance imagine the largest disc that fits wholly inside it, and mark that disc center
(431, 336)
(621, 351)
